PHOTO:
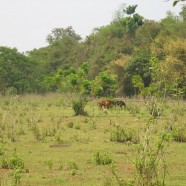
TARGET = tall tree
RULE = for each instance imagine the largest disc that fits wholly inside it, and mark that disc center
(59, 33)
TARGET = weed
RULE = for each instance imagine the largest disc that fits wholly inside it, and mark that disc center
(102, 159)
(2, 151)
(179, 134)
(78, 126)
(16, 162)
(16, 175)
(49, 164)
(70, 125)
(122, 135)
(78, 107)
(73, 165)
(58, 138)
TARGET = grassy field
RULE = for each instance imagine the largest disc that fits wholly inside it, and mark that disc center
(58, 148)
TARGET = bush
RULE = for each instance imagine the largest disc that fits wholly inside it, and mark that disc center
(121, 135)
(179, 134)
(104, 159)
(78, 106)
(14, 162)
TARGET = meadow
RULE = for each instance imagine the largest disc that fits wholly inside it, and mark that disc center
(43, 143)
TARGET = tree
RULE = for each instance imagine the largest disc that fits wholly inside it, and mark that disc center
(59, 33)
(138, 83)
(75, 82)
(104, 85)
(15, 71)
(130, 9)
(177, 1)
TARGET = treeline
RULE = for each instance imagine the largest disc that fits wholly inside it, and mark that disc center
(129, 56)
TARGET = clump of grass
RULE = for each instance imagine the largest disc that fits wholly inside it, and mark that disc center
(120, 134)
(78, 107)
(78, 127)
(20, 131)
(58, 138)
(36, 132)
(15, 161)
(133, 109)
(49, 164)
(74, 168)
(102, 159)
(154, 107)
(2, 150)
(70, 125)
(179, 134)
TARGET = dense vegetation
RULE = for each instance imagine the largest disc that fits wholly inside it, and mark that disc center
(129, 56)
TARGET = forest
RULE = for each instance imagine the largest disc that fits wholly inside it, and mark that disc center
(130, 56)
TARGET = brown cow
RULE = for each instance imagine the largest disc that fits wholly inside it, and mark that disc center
(105, 104)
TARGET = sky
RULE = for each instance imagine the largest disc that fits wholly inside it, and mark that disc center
(25, 24)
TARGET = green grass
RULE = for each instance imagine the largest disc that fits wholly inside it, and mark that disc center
(56, 154)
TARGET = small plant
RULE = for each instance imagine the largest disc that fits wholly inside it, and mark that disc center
(179, 134)
(21, 131)
(74, 168)
(73, 172)
(70, 125)
(2, 151)
(49, 164)
(36, 132)
(58, 138)
(121, 135)
(133, 109)
(154, 108)
(4, 164)
(78, 126)
(16, 175)
(78, 107)
(104, 159)
(16, 162)
(73, 165)
(150, 164)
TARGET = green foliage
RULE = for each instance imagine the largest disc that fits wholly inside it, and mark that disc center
(150, 164)
(102, 159)
(59, 33)
(15, 71)
(104, 85)
(122, 135)
(130, 9)
(179, 134)
(137, 82)
(177, 1)
(14, 162)
(78, 106)
(49, 164)
(154, 51)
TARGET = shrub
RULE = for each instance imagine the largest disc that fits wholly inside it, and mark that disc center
(104, 159)
(179, 134)
(154, 108)
(14, 162)
(121, 135)
(78, 106)
(70, 125)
